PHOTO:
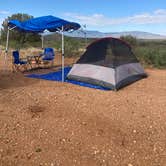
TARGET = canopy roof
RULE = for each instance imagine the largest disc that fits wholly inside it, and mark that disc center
(40, 24)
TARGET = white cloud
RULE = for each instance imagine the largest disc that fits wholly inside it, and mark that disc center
(3, 15)
(3, 12)
(158, 16)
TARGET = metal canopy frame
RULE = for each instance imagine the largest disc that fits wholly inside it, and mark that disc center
(42, 38)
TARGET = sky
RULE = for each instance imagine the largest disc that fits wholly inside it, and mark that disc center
(100, 15)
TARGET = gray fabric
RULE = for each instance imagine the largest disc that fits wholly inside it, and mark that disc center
(95, 72)
(107, 77)
(91, 81)
(128, 70)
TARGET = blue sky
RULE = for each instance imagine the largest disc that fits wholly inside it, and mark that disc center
(105, 15)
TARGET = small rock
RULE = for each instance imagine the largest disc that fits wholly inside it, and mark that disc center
(134, 141)
(134, 131)
(96, 151)
(16, 156)
(29, 155)
(130, 165)
(38, 150)
(109, 150)
(84, 123)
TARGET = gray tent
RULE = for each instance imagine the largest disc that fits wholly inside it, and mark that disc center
(108, 62)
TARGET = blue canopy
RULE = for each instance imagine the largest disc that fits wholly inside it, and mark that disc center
(40, 24)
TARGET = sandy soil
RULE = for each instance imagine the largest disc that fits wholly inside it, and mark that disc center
(44, 123)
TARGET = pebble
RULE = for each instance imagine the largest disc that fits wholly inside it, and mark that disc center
(29, 155)
(96, 151)
(134, 141)
(130, 165)
(134, 131)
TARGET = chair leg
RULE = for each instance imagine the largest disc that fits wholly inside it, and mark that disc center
(52, 63)
(25, 67)
(17, 67)
(13, 68)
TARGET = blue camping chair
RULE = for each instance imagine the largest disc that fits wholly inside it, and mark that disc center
(17, 62)
(48, 55)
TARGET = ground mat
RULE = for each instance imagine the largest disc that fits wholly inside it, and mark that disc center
(57, 76)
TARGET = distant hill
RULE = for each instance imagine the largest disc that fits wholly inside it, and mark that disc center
(97, 34)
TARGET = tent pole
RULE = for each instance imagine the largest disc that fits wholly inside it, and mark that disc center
(62, 54)
(6, 50)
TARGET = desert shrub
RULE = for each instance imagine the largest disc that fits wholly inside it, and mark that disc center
(152, 56)
(130, 39)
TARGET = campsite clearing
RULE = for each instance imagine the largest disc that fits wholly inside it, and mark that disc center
(60, 124)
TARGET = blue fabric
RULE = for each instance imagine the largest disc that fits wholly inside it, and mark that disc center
(22, 62)
(39, 24)
(48, 54)
(17, 59)
(57, 76)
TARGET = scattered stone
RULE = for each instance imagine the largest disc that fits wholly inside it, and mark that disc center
(130, 165)
(84, 123)
(16, 156)
(38, 150)
(134, 131)
(29, 155)
(96, 151)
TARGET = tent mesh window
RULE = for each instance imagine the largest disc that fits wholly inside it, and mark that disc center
(109, 53)
(94, 53)
(122, 53)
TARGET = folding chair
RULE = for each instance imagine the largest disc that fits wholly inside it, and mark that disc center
(48, 56)
(18, 63)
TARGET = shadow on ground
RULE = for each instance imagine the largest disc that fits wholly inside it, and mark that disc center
(9, 79)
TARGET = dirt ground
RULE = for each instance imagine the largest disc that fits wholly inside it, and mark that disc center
(46, 123)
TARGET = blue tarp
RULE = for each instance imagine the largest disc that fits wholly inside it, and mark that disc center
(57, 76)
(40, 24)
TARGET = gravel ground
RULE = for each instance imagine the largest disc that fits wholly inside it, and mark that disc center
(44, 123)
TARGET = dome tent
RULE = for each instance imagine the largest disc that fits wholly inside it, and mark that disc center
(108, 62)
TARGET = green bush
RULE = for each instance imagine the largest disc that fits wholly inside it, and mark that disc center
(130, 39)
(151, 56)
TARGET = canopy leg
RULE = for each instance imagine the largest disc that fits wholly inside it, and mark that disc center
(42, 39)
(63, 54)
(6, 50)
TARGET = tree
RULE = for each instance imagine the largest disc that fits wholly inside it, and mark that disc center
(17, 37)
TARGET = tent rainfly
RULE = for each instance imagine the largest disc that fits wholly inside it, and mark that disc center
(39, 25)
(108, 62)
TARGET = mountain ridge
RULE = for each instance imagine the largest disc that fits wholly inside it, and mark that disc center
(98, 34)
